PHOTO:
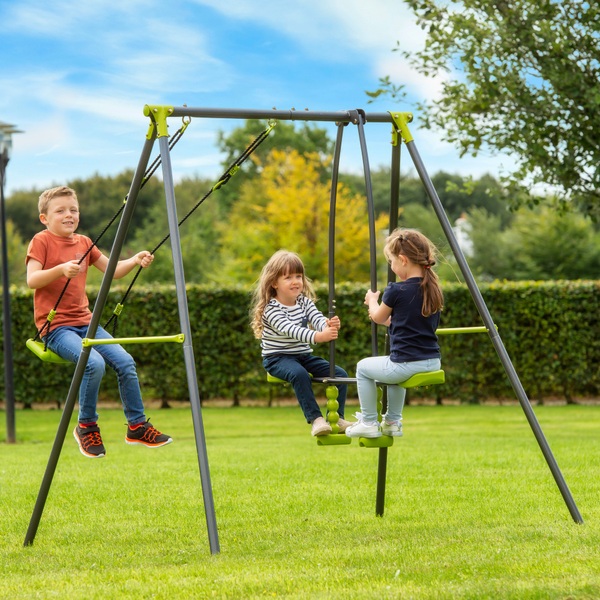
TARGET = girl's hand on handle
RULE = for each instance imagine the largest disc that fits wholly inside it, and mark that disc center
(334, 322)
(328, 334)
(371, 296)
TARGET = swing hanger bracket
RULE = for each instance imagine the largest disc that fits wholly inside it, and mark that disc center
(401, 121)
(158, 115)
(357, 115)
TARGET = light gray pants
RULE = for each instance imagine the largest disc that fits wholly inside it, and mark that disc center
(382, 369)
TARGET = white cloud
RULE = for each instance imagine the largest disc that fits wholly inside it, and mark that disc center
(340, 28)
(62, 18)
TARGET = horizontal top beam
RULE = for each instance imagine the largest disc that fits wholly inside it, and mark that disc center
(345, 116)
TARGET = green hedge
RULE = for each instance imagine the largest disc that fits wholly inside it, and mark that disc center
(550, 330)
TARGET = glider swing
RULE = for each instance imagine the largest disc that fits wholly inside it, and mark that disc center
(416, 381)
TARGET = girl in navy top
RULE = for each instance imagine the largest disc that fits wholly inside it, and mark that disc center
(411, 308)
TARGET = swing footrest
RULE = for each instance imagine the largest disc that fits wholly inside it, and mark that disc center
(329, 380)
(37, 347)
(178, 338)
(385, 441)
(333, 439)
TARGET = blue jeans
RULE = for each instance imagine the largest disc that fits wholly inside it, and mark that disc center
(66, 342)
(382, 369)
(297, 369)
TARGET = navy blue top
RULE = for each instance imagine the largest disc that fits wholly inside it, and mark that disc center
(412, 336)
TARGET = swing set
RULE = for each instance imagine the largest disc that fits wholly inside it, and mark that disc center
(158, 130)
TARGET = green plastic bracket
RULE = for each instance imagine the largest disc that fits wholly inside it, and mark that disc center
(151, 128)
(221, 181)
(159, 114)
(178, 338)
(401, 121)
(118, 310)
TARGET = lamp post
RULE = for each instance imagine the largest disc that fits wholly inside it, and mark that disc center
(6, 132)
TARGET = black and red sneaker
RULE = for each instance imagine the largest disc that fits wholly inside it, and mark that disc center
(147, 435)
(89, 441)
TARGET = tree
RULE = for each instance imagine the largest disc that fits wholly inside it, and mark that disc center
(309, 138)
(16, 250)
(199, 234)
(287, 206)
(540, 244)
(99, 199)
(525, 83)
(306, 139)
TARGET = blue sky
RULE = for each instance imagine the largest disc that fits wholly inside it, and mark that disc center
(75, 76)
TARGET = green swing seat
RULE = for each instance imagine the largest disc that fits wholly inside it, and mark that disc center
(37, 347)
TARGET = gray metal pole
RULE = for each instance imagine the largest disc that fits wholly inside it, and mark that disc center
(383, 452)
(345, 116)
(188, 350)
(332, 216)
(63, 426)
(494, 336)
(9, 388)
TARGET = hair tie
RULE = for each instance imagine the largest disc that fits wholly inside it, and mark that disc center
(427, 266)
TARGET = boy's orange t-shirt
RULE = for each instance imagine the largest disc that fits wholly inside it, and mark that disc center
(52, 250)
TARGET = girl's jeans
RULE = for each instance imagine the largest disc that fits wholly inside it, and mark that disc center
(297, 369)
(382, 369)
(66, 342)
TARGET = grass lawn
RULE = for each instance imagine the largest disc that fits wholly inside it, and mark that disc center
(472, 510)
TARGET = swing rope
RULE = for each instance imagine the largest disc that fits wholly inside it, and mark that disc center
(227, 175)
(147, 176)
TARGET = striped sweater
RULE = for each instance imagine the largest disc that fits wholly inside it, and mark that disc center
(291, 329)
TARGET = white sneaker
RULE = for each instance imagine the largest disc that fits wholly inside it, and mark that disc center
(363, 429)
(320, 427)
(393, 428)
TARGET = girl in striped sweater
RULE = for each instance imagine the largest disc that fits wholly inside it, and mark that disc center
(286, 320)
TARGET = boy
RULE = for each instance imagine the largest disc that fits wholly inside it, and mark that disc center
(54, 257)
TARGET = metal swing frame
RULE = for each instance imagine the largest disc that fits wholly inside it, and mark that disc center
(158, 129)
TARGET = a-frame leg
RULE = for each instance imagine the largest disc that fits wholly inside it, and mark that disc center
(188, 350)
(401, 122)
(67, 413)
